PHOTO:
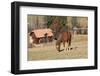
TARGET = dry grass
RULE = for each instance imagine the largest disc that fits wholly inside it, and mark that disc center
(49, 52)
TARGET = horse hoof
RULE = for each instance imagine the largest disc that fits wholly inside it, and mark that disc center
(71, 48)
(58, 50)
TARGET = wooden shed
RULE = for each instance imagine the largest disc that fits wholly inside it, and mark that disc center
(41, 35)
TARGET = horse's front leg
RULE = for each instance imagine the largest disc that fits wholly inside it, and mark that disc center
(58, 47)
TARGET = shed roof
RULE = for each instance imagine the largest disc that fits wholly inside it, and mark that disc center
(41, 32)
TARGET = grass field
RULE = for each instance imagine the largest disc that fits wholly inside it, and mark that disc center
(48, 51)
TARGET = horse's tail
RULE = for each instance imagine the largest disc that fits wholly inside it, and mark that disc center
(70, 38)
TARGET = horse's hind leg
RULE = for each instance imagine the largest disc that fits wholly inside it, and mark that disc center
(66, 45)
(69, 44)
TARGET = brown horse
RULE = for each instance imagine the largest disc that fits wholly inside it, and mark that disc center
(64, 37)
